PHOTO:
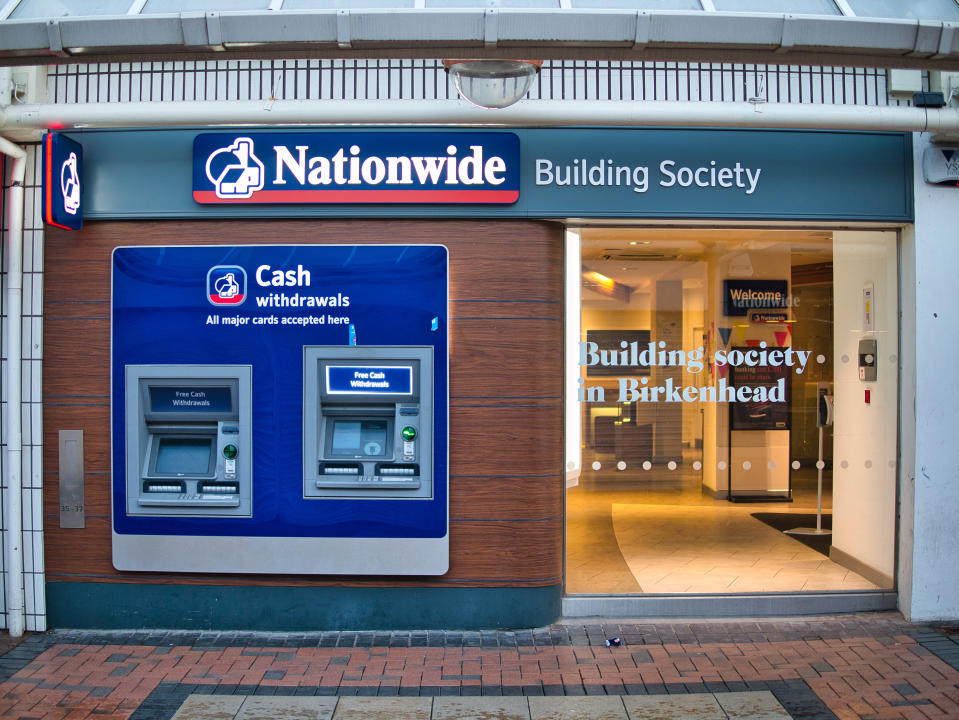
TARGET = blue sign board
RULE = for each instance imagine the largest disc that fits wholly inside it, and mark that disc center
(62, 173)
(294, 297)
(741, 296)
(368, 380)
(560, 173)
(352, 167)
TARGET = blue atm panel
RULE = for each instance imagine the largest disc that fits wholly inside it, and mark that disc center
(280, 409)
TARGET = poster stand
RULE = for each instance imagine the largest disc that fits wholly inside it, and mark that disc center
(761, 416)
(824, 418)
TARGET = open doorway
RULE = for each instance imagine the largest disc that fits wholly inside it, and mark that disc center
(719, 408)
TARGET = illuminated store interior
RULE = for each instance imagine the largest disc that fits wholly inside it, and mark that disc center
(789, 490)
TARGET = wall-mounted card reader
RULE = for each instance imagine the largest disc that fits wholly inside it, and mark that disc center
(188, 447)
(367, 422)
(867, 360)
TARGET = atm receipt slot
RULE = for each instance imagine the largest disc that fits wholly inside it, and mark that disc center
(367, 421)
(188, 440)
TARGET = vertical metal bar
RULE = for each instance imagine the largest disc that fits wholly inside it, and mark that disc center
(72, 513)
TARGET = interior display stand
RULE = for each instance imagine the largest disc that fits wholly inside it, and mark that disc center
(761, 417)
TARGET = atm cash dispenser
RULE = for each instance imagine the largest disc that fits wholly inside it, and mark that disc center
(368, 422)
(188, 446)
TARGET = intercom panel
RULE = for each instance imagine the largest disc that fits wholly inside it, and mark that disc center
(368, 422)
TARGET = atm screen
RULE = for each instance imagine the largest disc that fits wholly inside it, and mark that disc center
(360, 437)
(184, 456)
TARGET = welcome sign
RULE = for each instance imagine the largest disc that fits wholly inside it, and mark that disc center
(352, 167)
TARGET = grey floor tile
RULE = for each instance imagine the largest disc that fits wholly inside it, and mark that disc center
(673, 707)
(209, 707)
(383, 708)
(288, 708)
(759, 705)
(594, 707)
(480, 708)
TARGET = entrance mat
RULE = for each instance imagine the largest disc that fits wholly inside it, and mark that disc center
(788, 521)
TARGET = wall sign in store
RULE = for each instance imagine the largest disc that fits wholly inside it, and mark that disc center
(741, 296)
(412, 167)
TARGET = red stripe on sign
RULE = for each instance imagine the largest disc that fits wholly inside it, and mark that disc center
(365, 196)
(48, 199)
(235, 300)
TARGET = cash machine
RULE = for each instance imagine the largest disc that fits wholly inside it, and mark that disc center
(188, 440)
(367, 422)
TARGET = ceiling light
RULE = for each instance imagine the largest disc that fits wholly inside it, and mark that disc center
(492, 83)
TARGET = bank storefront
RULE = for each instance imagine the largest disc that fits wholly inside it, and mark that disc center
(435, 377)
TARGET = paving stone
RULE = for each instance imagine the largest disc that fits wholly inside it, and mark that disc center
(759, 705)
(673, 707)
(480, 708)
(209, 707)
(577, 708)
(288, 708)
(378, 708)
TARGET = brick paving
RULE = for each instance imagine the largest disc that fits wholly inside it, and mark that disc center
(855, 667)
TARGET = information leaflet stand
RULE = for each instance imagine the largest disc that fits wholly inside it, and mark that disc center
(759, 469)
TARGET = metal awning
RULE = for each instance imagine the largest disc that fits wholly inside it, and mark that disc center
(876, 33)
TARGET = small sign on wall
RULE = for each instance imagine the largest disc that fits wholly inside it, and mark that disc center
(62, 190)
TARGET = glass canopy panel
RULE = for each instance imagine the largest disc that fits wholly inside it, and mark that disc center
(551, 4)
(908, 9)
(177, 6)
(637, 4)
(800, 7)
(342, 4)
(66, 8)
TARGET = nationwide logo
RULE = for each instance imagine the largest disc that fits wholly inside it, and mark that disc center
(368, 167)
(226, 285)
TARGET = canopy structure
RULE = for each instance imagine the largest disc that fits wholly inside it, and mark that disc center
(874, 33)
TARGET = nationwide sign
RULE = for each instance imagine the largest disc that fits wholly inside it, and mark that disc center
(356, 167)
(62, 169)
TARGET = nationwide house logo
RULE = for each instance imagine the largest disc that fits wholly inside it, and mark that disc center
(70, 185)
(226, 285)
(234, 170)
(353, 167)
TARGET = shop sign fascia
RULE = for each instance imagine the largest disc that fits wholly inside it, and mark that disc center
(655, 173)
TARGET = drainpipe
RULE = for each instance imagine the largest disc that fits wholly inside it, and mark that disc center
(13, 520)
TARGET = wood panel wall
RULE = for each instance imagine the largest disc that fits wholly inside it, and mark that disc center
(506, 389)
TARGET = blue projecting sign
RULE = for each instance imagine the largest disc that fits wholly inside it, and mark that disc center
(62, 170)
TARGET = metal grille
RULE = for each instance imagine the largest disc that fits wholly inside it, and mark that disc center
(427, 80)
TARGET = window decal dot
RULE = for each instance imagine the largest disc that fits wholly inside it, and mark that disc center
(868, 464)
(597, 465)
(722, 465)
(747, 465)
(771, 465)
(671, 465)
(820, 464)
(647, 465)
(621, 465)
(697, 465)
(820, 359)
(795, 464)
(844, 464)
